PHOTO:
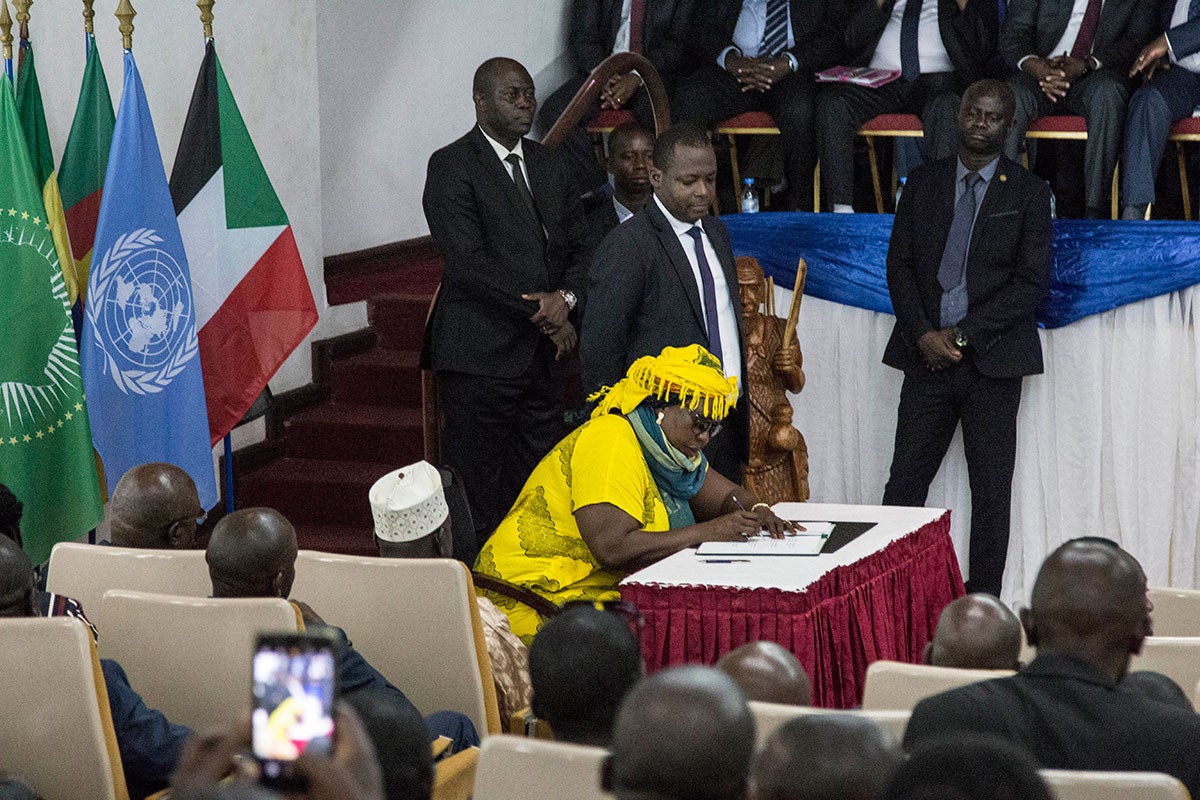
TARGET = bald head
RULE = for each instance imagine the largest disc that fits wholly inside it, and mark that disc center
(683, 733)
(16, 581)
(825, 757)
(768, 673)
(491, 72)
(976, 632)
(154, 505)
(252, 553)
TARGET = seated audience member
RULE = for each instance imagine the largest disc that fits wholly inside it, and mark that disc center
(412, 520)
(826, 757)
(11, 510)
(976, 632)
(625, 489)
(401, 745)
(1089, 614)
(1171, 65)
(682, 734)
(583, 662)
(601, 28)
(630, 151)
(974, 768)
(760, 55)
(1071, 59)
(1156, 686)
(940, 47)
(154, 506)
(252, 553)
(768, 673)
(149, 744)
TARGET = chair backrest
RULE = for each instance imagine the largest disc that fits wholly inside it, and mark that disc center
(1073, 785)
(57, 732)
(454, 777)
(516, 768)
(190, 657)
(86, 571)
(769, 717)
(1176, 611)
(415, 620)
(1177, 657)
(891, 684)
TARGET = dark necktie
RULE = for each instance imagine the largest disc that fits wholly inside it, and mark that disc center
(952, 272)
(1087, 30)
(710, 294)
(775, 31)
(637, 24)
(523, 189)
(910, 51)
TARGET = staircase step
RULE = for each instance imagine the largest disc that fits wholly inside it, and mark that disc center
(350, 541)
(399, 319)
(379, 377)
(343, 432)
(313, 491)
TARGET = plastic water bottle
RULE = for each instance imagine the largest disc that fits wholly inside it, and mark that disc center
(1053, 207)
(900, 191)
(749, 197)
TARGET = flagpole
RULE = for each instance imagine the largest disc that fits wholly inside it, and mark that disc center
(125, 14)
(89, 14)
(206, 17)
(6, 39)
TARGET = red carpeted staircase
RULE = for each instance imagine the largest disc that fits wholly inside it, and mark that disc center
(368, 420)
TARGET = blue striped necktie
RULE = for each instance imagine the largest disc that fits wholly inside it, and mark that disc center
(775, 31)
(708, 289)
(910, 51)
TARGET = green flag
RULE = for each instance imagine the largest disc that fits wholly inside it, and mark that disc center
(46, 454)
(33, 117)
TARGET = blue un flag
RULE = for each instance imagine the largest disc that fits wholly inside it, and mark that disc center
(141, 358)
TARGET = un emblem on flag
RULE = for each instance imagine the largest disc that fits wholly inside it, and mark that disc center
(143, 319)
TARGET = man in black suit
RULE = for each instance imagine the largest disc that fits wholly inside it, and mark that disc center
(666, 278)
(939, 47)
(968, 267)
(516, 247)
(657, 29)
(760, 55)
(1089, 613)
(1073, 57)
(630, 150)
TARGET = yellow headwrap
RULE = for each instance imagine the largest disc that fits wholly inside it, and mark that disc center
(691, 373)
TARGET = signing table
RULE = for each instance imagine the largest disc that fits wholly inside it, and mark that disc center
(877, 597)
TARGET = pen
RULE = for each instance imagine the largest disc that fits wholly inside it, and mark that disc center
(726, 561)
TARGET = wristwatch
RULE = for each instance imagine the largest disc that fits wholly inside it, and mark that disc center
(960, 338)
(569, 297)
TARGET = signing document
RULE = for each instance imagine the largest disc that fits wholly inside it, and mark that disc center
(805, 543)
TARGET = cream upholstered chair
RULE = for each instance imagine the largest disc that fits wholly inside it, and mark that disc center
(769, 717)
(86, 571)
(1177, 657)
(454, 777)
(57, 730)
(189, 657)
(415, 619)
(1176, 611)
(1072, 785)
(891, 684)
(517, 768)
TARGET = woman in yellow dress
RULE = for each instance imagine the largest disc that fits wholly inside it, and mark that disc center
(624, 490)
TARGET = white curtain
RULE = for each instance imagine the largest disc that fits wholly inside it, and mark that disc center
(1107, 440)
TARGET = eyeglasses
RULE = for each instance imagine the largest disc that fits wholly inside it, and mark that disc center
(199, 519)
(702, 425)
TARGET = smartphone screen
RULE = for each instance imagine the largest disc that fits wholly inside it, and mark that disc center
(293, 702)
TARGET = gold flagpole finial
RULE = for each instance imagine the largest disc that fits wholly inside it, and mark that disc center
(89, 14)
(206, 16)
(23, 18)
(125, 14)
(6, 38)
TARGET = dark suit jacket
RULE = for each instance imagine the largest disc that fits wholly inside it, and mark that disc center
(494, 252)
(1184, 38)
(1033, 27)
(593, 33)
(1008, 267)
(1068, 717)
(817, 28)
(969, 36)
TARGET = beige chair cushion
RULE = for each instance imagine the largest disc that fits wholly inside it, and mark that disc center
(1177, 657)
(190, 657)
(414, 620)
(57, 730)
(517, 768)
(893, 685)
(1072, 785)
(86, 571)
(769, 717)
(1176, 611)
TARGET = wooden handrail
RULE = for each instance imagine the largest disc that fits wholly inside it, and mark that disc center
(616, 64)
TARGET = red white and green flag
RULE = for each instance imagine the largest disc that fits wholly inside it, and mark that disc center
(253, 302)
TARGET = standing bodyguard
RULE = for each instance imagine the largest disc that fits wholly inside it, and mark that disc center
(967, 269)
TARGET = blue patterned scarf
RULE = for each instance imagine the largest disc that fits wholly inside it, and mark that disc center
(678, 477)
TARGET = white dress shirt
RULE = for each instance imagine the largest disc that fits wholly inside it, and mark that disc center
(503, 152)
(621, 44)
(748, 32)
(931, 51)
(727, 320)
(623, 213)
(1190, 63)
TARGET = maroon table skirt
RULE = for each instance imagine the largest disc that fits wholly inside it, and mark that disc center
(884, 606)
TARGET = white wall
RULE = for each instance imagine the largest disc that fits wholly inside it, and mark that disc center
(395, 85)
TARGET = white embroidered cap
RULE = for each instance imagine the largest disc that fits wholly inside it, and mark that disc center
(408, 503)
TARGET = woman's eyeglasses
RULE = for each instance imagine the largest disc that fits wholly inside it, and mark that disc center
(702, 425)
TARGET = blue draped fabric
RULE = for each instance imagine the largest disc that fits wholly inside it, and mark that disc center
(1098, 266)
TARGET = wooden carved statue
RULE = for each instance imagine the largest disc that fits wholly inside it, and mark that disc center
(778, 468)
